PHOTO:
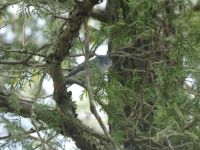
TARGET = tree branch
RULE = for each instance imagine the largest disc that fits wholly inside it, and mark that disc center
(22, 62)
(67, 36)
(70, 122)
(89, 88)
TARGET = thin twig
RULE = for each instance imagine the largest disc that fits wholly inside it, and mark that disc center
(8, 24)
(51, 95)
(89, 88)
(33, 116)
(169, 143)
(60, 17)
(22, 62)
(24, 31)
(24, 52)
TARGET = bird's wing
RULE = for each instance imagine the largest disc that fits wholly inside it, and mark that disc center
(80, 67)
(76, 69)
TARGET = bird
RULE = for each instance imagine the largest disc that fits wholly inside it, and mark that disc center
(98, 66)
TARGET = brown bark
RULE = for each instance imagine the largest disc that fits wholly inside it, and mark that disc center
(85, 137)
(61, 96)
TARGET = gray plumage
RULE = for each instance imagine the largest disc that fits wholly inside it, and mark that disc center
(99, 64)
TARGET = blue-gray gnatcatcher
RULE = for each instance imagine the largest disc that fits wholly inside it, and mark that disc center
(98, 65)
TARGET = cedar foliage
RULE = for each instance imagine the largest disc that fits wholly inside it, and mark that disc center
(154, 47)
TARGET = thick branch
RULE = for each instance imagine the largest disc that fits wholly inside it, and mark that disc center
(40, 111)
(73, 25)
(63, 98)
(14, 62)
(26, 105)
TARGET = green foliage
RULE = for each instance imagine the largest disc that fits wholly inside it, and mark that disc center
(165, 104)
(160, 113)
(15, 104)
